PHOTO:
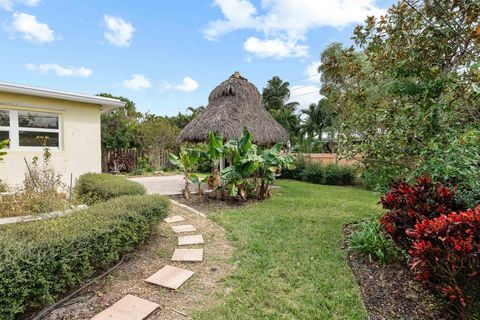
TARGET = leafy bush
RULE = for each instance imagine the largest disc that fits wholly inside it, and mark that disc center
(94, 187)
(445, 257)
(408, 204)
(468, 196)
(3, 186)
(331, 174)
(367, 239)
(41, 260)
(313, 173)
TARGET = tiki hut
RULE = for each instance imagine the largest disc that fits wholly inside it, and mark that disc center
(233, 105)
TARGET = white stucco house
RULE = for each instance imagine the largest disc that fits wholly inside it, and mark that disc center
(70, 120)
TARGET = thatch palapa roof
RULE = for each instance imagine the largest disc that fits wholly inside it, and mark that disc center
(233, 105)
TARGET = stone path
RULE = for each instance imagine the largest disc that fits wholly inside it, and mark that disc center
(134, 308)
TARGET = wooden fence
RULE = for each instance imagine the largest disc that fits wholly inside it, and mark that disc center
(326, 158)
(120, 159)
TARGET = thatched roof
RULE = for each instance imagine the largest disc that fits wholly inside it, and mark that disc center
(233, 105)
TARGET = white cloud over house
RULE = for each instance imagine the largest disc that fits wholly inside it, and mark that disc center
(137, 82)
(31, 29)
(119, 32)
(285, 23)
(59, 70)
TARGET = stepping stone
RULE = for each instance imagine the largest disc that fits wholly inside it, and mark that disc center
(170, 277)
(186, 240)
(128, 308)
(173, 219)
(191, 255)
(184, 228)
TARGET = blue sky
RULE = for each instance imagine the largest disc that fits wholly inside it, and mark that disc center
(168, 55)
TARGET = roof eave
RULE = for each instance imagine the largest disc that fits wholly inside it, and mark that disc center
(107, 104)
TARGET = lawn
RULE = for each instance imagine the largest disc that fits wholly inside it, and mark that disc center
(290, 264)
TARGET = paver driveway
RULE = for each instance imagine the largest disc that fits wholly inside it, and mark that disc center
(166, 185)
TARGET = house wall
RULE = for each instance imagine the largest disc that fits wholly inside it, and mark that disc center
(80, 150)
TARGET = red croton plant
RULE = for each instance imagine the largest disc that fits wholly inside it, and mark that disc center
(443, 239)
(408, 204)
(445, 255)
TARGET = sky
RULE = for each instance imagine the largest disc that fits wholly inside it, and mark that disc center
(168, 55)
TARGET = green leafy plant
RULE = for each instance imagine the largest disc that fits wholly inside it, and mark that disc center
(42, 260)
(367, 239)
(3, 145)
(186, 162)
(95, 187)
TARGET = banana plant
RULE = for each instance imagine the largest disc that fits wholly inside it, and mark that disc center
(198, 181)
(186, 162)
(215, 153)
(272, 163)
(242, 154)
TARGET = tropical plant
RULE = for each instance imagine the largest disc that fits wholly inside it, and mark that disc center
(270, 165)
(275, 98)
(186, 162)
(318, 118)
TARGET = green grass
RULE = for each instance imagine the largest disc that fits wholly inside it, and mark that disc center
(290, 264)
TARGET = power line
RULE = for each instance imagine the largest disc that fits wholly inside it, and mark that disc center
(436, 29)
(304, 94)
(456, 22)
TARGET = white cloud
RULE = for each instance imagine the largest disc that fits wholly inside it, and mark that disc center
(312, 71)
(305, 95)
(119, 31)
(32, 29)
(288, 21)
(137, 82)
(8, 4)
(59, 70)
(188, 85)
(276, 48)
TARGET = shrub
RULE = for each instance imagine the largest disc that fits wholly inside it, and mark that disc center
(338, 175)
(368, 240)
(313, 173)
(408, 204)
(294, 173)
(468, 196)
(41, 260)
(445, 256)
(94, 187)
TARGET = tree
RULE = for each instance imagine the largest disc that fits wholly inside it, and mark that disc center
(181, 120)
(412, 87)
(156, 132)
(319, 118)
(275, 97)
(119, 126)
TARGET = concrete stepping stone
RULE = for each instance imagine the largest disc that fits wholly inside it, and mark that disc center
(170, 277)
(128, 308)
(187, 240)
(191, 255)
(184, 228)
(174, 219)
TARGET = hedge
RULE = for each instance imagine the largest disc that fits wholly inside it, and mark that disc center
(94, 187)
(331, 174)
(41, 260)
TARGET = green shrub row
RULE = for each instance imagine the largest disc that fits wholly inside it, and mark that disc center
(95, 187)
(41, 260)
(331, 174)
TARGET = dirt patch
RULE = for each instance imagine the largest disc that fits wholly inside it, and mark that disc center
(208, 203)
(201, 291)
(391, 292)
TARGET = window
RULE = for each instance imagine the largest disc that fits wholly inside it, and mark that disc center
(25, 128)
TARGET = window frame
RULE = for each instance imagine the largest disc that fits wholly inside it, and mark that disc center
(14, 131)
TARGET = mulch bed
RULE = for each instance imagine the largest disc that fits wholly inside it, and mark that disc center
(391, 292)
(208, 203)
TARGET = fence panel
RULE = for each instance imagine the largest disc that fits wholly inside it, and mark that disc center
(120, 159)
(326, 158)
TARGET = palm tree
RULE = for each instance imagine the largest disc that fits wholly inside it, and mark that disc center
(275, 97)
(319, 117)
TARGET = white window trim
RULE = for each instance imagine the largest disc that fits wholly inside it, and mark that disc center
(14, 132)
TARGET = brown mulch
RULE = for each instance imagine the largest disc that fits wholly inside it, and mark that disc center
(208, 203)
(391, 292)
(200, 291)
